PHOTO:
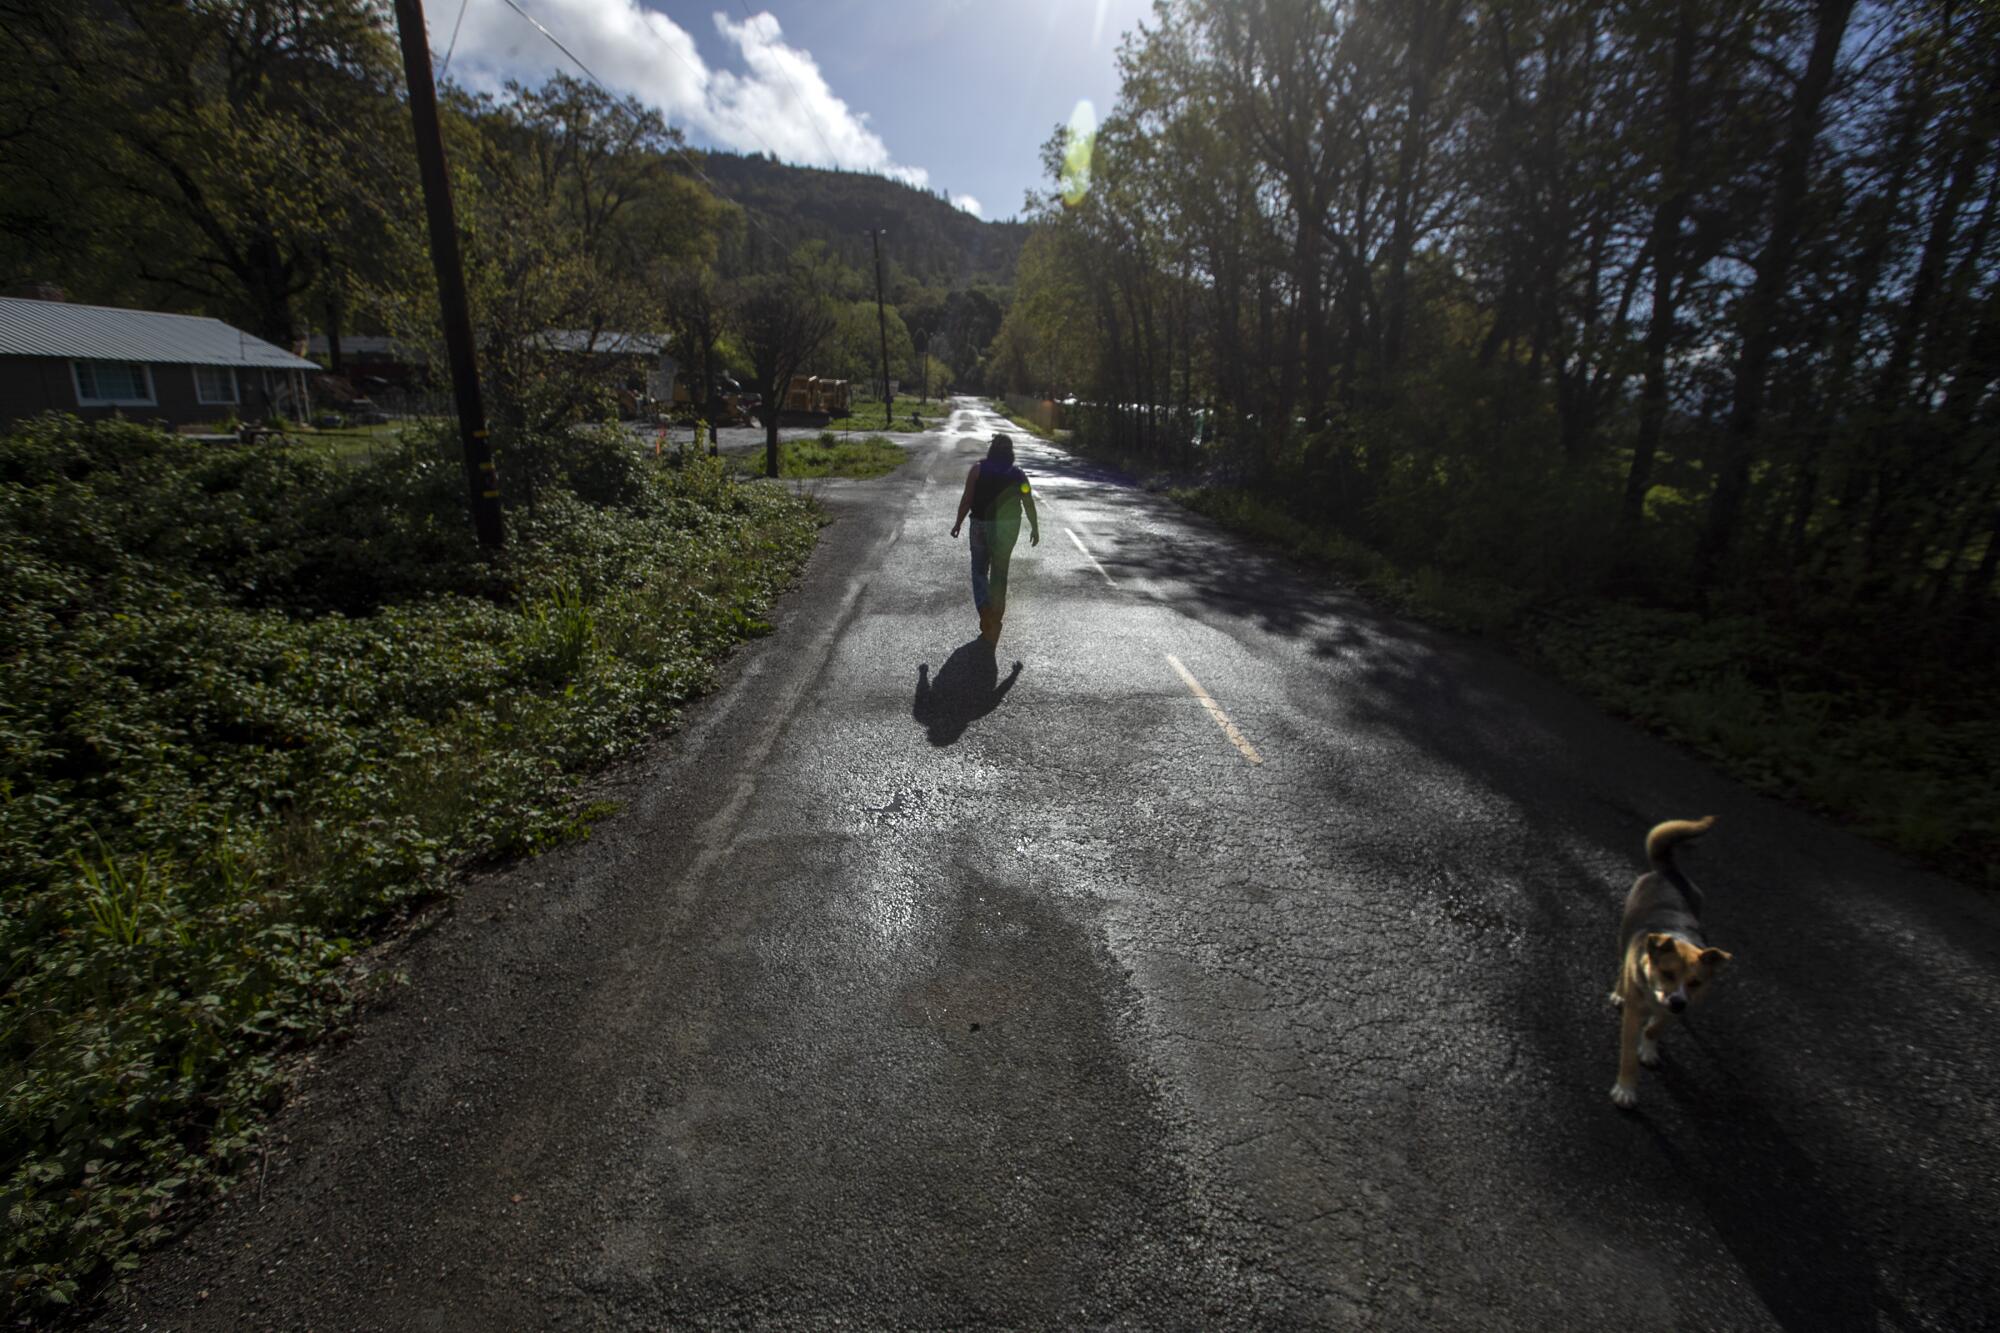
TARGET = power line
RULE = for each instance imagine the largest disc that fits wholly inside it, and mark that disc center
(693, 166)
(454, 40)
(558, 45)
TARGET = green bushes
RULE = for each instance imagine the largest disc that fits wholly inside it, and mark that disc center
(257, 704)
(1781, 711)
(831, 455)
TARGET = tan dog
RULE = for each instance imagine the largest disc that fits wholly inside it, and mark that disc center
(1667, 965)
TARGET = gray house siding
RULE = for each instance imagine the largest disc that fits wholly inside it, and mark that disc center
(40, 341)
(31, 385)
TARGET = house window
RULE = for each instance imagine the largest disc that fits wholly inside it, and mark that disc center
(112, 384)
(215, 384)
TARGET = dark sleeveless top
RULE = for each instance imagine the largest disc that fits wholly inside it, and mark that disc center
(998, 482)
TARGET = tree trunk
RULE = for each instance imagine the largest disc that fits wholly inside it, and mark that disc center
(334, 360)
(1849, 317)
(1774, 271)
(1666, 248)
(1980, 586)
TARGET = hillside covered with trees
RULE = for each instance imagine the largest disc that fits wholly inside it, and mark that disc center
(929, 241)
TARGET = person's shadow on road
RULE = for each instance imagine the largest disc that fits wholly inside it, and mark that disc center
(966, 688)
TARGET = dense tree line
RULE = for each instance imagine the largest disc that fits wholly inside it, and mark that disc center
(1655, 295)
(934, 243)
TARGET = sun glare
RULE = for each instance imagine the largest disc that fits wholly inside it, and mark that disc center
(1076, 157)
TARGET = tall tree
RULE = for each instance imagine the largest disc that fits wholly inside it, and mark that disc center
(219, 154)
(782, 319)
(1758, 311)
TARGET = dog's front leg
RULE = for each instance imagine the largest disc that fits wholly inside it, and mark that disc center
(1625, 1091)
(1649, 1046)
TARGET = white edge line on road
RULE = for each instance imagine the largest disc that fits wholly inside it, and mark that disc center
(1091, 558)
(1236, 737)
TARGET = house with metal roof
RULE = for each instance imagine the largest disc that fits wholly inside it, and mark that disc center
(97, 361)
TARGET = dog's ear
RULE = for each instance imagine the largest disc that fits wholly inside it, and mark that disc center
(1659, 942)
(1715, 958)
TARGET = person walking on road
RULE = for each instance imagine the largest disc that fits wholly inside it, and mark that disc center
(996, 494)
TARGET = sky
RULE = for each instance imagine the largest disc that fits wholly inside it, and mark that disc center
(952, 95)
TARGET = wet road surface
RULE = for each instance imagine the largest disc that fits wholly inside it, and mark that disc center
(921, 987)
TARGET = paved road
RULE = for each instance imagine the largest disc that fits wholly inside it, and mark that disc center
(915, 989)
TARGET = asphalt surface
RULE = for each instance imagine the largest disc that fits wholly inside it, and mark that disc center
(914, 989)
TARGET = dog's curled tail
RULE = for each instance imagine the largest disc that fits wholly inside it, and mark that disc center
(1661, 841)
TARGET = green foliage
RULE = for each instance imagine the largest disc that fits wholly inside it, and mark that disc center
(1770, 706)
(832, 456)
(867, 416)
(258, 704)
(854, 350)
(928, 239)
(179, 152)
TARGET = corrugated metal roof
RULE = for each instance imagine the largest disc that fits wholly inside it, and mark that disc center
(105, 333)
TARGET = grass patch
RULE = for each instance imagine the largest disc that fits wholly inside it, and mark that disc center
(827, 456)
(930, 413)
(358, 444)
(259, 704)
(1758, 701)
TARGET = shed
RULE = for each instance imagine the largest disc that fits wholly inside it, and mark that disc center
(98, 361)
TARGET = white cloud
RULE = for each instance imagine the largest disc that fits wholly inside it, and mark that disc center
(780, 104)
(969, 204)
(785, 103)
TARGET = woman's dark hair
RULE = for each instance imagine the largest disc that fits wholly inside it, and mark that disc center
(1002, 449)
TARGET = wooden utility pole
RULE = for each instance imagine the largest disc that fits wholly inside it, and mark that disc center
(924, 364)
(882, 323)
(480, 472)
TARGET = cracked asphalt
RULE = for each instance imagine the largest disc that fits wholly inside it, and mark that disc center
(913, 990)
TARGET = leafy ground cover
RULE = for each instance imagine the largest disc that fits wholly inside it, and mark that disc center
(259, 704)
(1778, 706)
(827, 456)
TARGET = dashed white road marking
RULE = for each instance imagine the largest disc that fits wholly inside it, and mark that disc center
(1091, 558)
(1229, 728)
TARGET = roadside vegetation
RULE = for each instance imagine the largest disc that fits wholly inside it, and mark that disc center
(357, 443)
(1025, 424)
(830, 456)
(930, 413)
(259, 704)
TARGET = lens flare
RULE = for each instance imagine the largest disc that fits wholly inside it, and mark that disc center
(1076, 157)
